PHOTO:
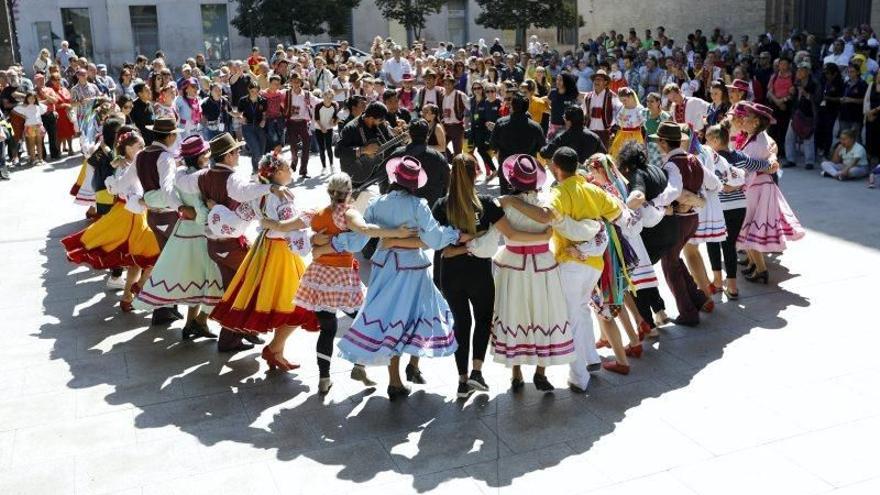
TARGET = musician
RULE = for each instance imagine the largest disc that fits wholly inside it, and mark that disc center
(433, 162)
(362, 137)
(398, 117)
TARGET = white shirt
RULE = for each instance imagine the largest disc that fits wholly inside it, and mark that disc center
(325, 116)
(430, 96)
(674, 185)
(598, 101)
(31, 113)
(694, 111)
(841, 60)
(340, 90)
(449, 109)
(321, 79)
(395, 69)
(125, 184)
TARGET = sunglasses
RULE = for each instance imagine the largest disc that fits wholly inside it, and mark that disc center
(491, 91)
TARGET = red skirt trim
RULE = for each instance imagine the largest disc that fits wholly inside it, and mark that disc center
(251, 321)
(99, 259)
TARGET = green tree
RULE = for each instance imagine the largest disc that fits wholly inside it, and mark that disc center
(519, 15)
(410, 13)
(284, 18)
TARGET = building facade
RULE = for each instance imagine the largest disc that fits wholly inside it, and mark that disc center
(114, 31)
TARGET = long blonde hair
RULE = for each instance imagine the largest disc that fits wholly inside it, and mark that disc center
(462, 203)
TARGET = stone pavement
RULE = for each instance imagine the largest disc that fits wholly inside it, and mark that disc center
(757, 400)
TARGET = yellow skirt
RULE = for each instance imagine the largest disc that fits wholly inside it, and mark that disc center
(260, 296)
(119, 238)
(622, 137)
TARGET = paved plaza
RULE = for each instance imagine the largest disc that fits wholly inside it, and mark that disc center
(776, 393)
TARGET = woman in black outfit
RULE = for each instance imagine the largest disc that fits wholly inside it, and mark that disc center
(252, 111)
(215, 113)
(829, 108)
(561, 97)
(483, 111)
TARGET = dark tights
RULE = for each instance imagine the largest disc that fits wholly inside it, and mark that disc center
(649, 301)
(463, 289)
(734, 220)
(328, 322)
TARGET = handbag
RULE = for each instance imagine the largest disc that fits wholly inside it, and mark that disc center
(801, 125)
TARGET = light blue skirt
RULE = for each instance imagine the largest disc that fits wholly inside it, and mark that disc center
(403, 313)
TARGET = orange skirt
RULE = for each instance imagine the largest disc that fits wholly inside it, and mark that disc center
(260, 297)
(118, 239)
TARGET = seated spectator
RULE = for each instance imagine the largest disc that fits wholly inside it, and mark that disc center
(849, 161)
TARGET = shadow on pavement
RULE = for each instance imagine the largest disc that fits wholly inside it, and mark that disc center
(223, 400)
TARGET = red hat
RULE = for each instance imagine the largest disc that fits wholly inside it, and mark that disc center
(193, 146)
(739, 85)
(406, 171)
(523, 173)
(763, 111)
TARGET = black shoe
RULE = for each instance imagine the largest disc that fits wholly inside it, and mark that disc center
(253, 339)
(686, 323)
(414, 375)
(516, 384)
(163, 316)
(542, 384)
(809, 166)
(177, 313)
(464, 390)
(789, 164)
(195, 330)
(594, 368)
(574, 388)
(824, 174)
(477, 382)
(749, 270)
(241, 346)
(395, 392)
(762, 277)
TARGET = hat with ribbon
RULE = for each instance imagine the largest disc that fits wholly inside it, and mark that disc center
(222, 144)
(523, 172)
(669, 131)
(739, 85)
(406, 171)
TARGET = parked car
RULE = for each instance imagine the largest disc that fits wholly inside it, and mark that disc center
(357, 54)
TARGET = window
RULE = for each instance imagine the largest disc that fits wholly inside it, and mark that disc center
(456, 22)
(144, 29)
(78, 31)
(215, 31)
(568, 35)
(45, 38)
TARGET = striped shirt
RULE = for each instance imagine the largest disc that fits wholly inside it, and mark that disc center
(737, 198)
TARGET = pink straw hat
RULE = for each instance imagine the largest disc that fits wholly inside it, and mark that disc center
(406, 171)
(523, 172)
(763, 111)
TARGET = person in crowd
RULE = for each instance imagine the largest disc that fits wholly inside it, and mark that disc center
(275, 123)
(298, 108)
(849, 160)
(600, 106)
(563, 95)
(516, 134)
(781, 94)
(188, 108)
(398, 117)
(800, 136)
(326, 119)
(484, 106)
(629, 120)
(829, 109)
(216, 113)
(252, 115)
(453, 111)
(585, 142)
(32, 111)
(851, 115)
(436, 130)
(720, 102)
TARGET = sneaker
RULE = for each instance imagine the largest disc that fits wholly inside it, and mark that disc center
(464, 390)
(477, 382)
(115, 283)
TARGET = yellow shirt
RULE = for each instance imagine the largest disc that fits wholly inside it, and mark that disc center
(538, 107)
(578, 199)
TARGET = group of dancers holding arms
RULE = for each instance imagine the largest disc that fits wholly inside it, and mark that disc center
(521, 276)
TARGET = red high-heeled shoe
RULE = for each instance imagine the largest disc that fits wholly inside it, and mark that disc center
(126, 306)
(615, 367)
(708, 306)
(644, 330)
(634, 350)
(714, 289)
(135, 288)
(274, 362)
(602, 343)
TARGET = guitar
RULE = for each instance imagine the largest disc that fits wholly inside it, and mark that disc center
(374, 163)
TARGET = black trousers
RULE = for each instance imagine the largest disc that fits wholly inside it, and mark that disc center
(464, 289)
(483, 151)
(734, 220)
(325, 146)
(648, 302)
(50, 123)
(324, 348)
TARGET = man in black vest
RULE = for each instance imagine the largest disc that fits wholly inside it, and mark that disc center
(516, 134)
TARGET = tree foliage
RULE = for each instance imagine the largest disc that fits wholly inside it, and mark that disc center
(410, 13)
(519, 15)
(283, 18)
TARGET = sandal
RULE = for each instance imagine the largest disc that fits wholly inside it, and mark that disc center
(733, 296)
